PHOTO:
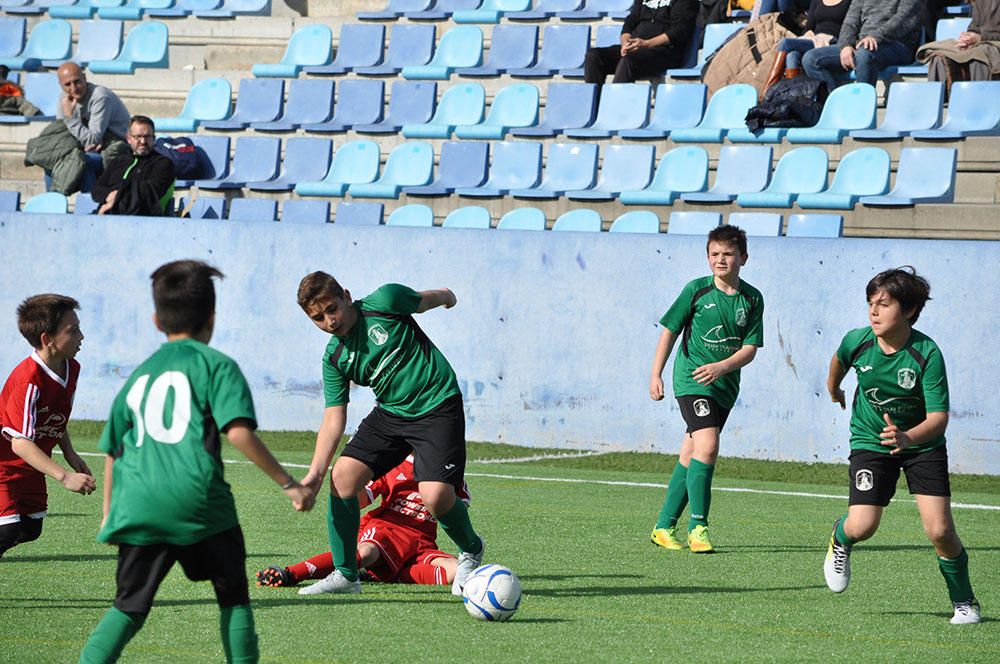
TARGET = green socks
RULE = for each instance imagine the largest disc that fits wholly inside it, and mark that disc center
(956, 574)
(239, 639)
(841, 536)
(699, 491)
(110, 636)
(458, 527)
(343, 518)
(676, 500)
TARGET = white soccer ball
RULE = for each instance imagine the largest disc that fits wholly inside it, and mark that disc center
(492, 593)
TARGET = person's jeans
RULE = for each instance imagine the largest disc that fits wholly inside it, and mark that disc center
(795, 48)
(823, 64)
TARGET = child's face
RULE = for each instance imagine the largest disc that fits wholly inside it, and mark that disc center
(66, 341)
(333, 315)
(724, 259)
(886, 314)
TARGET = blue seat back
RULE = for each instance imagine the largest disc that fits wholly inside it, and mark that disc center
(259, 99)
(913, 106)
(9, 200)
(412, 102)
(678, 105)
(624, 106)
(637, 221)
(411, 44)
(815, 225)
(49, 40)
(570, 105)
(682, 169)
(470, 216)
(925, 172)
(522, 219)
(514, 106)
(760, 224)
(84, 203)
(98, 40)
(415, 214)
(205, 207)
(626, 167)
(851, 106)
(354, 162)
(309, 100)
(310, 45)
(607, 35)
(51, 202)
(742, 168)
(209, 99)
(256, 158)
(42, 89)
(516, 165)
(974, 106)
(306, 159)
(693, 223)
(300, 211)
(727, 109)
(462, 46)
(801, 171)
(564, 46)
(146, 44)
(715, 36)
(463, 163)
(359, 214)
(213, 156)
(570, 166)
(253, 209)
(863, 172)
(11, 36)
(451, 6)
(359, 101)
(360, 45)
(513, 46)
(461, 105)
(951, 28)
(409, 164)
(582, 220)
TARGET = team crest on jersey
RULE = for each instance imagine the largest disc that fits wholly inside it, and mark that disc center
(656, 4)
(863, 480)
(741, 317)
(701, 408)
(906, 378)
(377, 334)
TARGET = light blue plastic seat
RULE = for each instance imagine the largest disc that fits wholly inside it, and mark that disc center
(84, 203)
(10, 201)
(233, 8)
(81, 9)
(258, 100)
(693, 223)
(51, 202)
(799, 171)
(622, 106)
(461, 104)
(48, 40)
(605, 35)
(863, 172)
(133, 10)
(625, 168)
(12, 32)
(946, 29)
(145, 46)
(848, 107)
(310, 45)
(305, 212)
(973, 110)
(462, 164)
(582, 220)
(924, 175)
(255, 159)
(21, 7)
(759, 224)
(441, 10)
(681, 170)
(563, 48)
(353, 162)
(359, 46)
(636, 221)
(394, 9)
(727, 109)
(213, 159)
(409, 45)
(306, 160)
(715, 36)
(410, 103)
(205, 207)
(595, 9)
(544, 9)
(513, 106)
(567, 106)
(310, 101)
(522, 219)
(678, 106)
(359, 214)
(462, 46)
(815, 225)
(511, 47)
(911, 106)
(359, 102)
(413, 215)
(568, 167)
(253, 209)
(741, 168)
(516, 165)
(208, 100)
(470, 216)
(184, 8)
(98, 40)
(42, 89)
(410, 164)
(490, 11)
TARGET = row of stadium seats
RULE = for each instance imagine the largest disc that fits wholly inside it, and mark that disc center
(133, 10)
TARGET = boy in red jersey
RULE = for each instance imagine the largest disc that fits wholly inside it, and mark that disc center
(35, 405)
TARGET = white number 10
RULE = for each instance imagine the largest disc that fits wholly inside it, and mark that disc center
(150, 421)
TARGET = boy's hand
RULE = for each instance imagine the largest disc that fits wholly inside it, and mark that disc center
(708, 373)
(302, 497)
(656, 388)
(837, 396)
(81, 483)
(893, 436)
(313, 482)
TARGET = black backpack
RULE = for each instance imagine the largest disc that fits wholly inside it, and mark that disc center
(183, 153)
(792, 102)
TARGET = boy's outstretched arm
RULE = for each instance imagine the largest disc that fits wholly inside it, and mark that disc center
(327, 440)
(833, 380)
(709, 373)
(74, 460)
(663, 348)
(245, 439)
(441, 297)
(77, 482)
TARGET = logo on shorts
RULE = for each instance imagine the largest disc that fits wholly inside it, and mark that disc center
(701, 408)
(906, 378)
(863, 480)
(741, 317)
(449, 466)
(378, 334)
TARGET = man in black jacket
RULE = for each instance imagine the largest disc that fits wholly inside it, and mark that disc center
(654, 37)
(138, 184)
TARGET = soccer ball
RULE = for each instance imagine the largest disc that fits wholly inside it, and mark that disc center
(492, 593)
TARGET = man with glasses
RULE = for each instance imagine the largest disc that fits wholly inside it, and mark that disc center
(141, 183)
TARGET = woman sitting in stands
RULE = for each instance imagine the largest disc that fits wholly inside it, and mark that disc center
(823, 22)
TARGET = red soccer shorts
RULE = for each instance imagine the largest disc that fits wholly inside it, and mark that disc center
(400, 546)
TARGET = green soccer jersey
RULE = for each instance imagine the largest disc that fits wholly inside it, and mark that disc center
(163, 430)
(712, 326)
(387, 351)
(907, 384)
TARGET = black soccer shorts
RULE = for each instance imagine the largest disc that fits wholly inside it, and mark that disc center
(874, 475)
(702, 412)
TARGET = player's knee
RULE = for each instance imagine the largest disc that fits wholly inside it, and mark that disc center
(31, 529)
(345, 483)
(368, 554)
(941, 535)
(9, 533)
(438, 498)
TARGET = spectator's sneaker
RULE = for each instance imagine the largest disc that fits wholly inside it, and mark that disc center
(666, 538)
(698, 540)
(276, 577)
(966, 613)
(335, 582)
(837, 566)
(467, 564)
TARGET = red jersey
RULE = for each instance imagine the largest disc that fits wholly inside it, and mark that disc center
(401, 503)
(35, 404)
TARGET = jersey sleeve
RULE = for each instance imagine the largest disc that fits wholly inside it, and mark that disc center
(20, 410)
(395, 298)
(679, 312)
(377, 489)
(113, 435)
(230, 398)
(755, 325)
(847, 346)
(935, 384)
(336, 386)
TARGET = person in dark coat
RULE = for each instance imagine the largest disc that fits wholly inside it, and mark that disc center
(141, 183)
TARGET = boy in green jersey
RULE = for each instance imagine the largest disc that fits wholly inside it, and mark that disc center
(898, 418)
(165, 497)
(376, 343)
(720, 322)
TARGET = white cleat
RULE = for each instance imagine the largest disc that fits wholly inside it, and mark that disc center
(837, 566)
(333, 583)
(966, 613)
(467, 564)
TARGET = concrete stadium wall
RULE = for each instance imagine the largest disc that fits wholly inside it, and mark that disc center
(553, 335)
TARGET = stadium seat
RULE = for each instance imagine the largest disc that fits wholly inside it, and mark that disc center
(353, 162)
(863, 172)
(359, 46)
(470, 216)
(208, 100)
(84, 204)
(27, 7)
(595, 9)
(306, 160)
(544, 9)
(515, 165)
(727, 109)
(911, 106)
(815, 225)
(511, 47)
(681, 170)
(408, 45)
(522, 219)
(461, 104)
(636, 221)
(490, 11)
(973, 110)
(924, 175)
(255, 159)
(359, 214)
(98, 40)
(258, 100)
(414, 215)
(462, 164)
(359, 102)
(145, 46)
(310, 101)
(410, 102)
(213, 159)
(42, 89)
(253, 209)
(759, 224)
(394, 9)
(693, 223)
(946, 29)
(848, 107)
(81, 9)
(678, 106)
(49, 40)
(310, 45)
(741, 168)
(233, 8)
(568, 167)
(581, 220)
(132, 10)
(799, 171)
(410, 164)
(567, 106)
(622, 106)
(204, 207)
(624, 168)
(607, 35)
(11, 36)
(462, 46)
(513, 106)
(715, 36)
(305, 212)
(563, 48)
(10, 201)
(184, 8)
(441, 10)
(51, 202)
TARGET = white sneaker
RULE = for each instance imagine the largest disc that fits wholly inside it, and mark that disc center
(335, 582)
(966, 613)
(837, 566)
(467, 564)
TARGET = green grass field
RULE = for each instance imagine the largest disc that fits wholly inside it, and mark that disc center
(595, 590)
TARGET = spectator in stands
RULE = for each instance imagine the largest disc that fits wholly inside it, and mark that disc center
(12, 101)
(771, 6)
(141, 183)
(654, 37)
(974, 56)
(876, 34)
(823, 22)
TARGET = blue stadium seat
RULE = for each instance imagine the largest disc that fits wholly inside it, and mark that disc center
(353, 162)
(461, 104)
(11, 36)
(359, 46)
(973, 110)
(413, 215)
(258, 100)
(208, 100)
(727, 109)
(306, 160)
(911, 106)
(625, 168)
(145, 46)
(563, 48)
(799, 171)
(815, 225)
(21, 7)
(516, 165)
(305, 212)
(622, 106)
(253, 209)
(359, 214)
(568, 167)
(946, 29)
(49, 40)
(51, 202)
(359, 102)
(42, 89)
(81, 9)
(606, 35)
(255, 159)
(924, 175)
(678, 106)
(759, 224)
(98, 40)
(470, 216)
(204, 207)
(741, 168)
(544, 9)
(522, 219)
(410, 103)
(184, 8)
(582, 220)
(681, 170)
(85, 204)
(693, 223)
(636, 221)
(233, 8)
(310, 101)
(511, 47)
(396, 8)
(310, 45)
(408, 45)
(595, 9)
(567, 106)
(462, 46)
(715, 36)
(213, 159)
(848, 107)
(10, 201)
(410, 164)
(462, 164)
(863, 172)
(490, 11)
(513, 106)
(441, 10)
(132, 10)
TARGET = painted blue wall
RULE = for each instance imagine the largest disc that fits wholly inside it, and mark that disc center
(554, 332)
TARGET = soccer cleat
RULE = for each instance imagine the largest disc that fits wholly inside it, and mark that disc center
(276, 577)
(837, 566)
(966, 613)
(666, 538)
(335, 582)
(698, 540)
(467, 564)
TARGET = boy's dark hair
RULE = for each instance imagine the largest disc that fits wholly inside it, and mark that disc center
(184, 295)
(904, 285)
(42, 313)
(730, 235)
(316, 285)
